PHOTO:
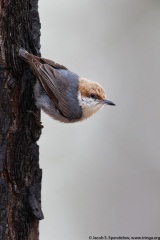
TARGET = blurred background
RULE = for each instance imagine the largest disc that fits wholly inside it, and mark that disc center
(101, 177)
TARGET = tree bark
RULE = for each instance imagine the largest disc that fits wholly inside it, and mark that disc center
(20, 175)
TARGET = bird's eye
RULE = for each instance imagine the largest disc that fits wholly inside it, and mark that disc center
(93, 95)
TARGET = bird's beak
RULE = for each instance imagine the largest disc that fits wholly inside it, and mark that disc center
(108, 102)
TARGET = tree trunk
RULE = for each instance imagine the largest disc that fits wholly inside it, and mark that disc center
(20, 175)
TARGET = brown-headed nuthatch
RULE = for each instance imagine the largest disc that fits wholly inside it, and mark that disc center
(61, 93)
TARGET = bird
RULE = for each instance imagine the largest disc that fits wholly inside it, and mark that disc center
(62, 94)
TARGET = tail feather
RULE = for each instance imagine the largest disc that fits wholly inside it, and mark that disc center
(33, 61)
(23, 54)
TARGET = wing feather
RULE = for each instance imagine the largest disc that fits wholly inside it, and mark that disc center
(53, 64)
(56, 85)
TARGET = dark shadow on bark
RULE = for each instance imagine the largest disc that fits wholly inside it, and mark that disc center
(20, 175)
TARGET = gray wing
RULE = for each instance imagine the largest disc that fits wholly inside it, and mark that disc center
(55, 86)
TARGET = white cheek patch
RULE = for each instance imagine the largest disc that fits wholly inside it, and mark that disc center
(88, 102)
(89, 106)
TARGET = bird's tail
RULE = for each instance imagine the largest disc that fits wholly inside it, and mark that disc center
(34, 61)
(23, 54)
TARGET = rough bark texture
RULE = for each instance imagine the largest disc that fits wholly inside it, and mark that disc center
(20, 175)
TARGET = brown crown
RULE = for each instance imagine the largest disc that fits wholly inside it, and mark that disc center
(87, 87)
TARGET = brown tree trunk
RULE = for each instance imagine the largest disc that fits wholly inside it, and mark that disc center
(20, 175)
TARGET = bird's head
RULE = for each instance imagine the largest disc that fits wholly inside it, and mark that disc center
(91, 97)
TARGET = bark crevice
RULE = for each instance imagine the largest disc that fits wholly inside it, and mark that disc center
(20, 175)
